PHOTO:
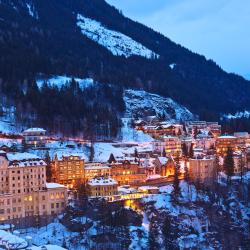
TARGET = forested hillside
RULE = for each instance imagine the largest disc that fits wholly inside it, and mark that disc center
(45, 37)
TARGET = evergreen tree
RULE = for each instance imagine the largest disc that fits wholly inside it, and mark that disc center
(136, 153)
(152, 238)
(217, 166)
(164, 153)
(48, 167)
(186, 174)
(111, 158)
(166, 232)
(195, 133)
(179, 132)
(229, 164)
(176, 191)
(92, 152)
(64, 244)
(184, 149)
(191, 151)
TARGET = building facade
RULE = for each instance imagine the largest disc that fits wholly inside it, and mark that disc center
(35, 137)
(128, 173)
(171, 145)
(93, 170)
(24, 192)
(68, 170)
(202, 170)
(102, 187)
(226, 141)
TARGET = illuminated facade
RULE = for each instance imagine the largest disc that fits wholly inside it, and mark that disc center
(170, 144)
(93, 170)
(24, 191)
(102, 187)
(68, 170)
(225, 142)
(128, 173)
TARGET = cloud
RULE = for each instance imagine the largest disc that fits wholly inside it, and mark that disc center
(218, 29)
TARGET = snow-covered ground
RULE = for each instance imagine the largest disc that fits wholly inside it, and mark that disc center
(7, 121)
(103, 150)
(116, 42)
(141, 103)
(172, 65)
(61, 148)
(31, 10)
(54, 233)
(129, 134)
(60, 81)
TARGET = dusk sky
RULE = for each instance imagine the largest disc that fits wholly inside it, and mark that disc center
(218, 29)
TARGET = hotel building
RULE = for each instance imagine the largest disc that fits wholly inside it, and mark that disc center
(102, 187)
(24, 192)
(68, 170)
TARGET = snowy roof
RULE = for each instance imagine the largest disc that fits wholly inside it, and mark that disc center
(126, 190)
(149, 162)
(21, 156)
(143, 188)
(154, 176)
(163, 160)
(96, 167)
(61, 154)
(54, 185)
(165, 137)
(41, 130)
(11, 241)
(99, 181)
(24, 160)
(226, 137)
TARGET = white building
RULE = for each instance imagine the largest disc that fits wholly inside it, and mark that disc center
(35, 137)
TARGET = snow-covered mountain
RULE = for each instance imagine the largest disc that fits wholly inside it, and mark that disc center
(118, 43)
(141, 103)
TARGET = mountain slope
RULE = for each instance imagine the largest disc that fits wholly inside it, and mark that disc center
(46, 37)
(141, 103)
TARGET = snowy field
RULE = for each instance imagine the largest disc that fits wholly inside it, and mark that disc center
(60, 81)
(103, 150)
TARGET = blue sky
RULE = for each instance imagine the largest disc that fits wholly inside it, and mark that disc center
(218, 29)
